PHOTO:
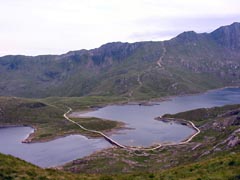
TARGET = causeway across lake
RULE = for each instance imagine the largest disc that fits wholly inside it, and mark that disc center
(143, 129)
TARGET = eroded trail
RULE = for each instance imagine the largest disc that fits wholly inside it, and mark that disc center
(113, 142)
(93, 131)
(140, 84)
(139, 80)
(159, 62)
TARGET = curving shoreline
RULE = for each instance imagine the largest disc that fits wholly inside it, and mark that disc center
(93, 131)
(31, 136)
(113, 142)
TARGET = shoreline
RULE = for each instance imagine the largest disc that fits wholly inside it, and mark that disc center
(30, 138)
(150, 148)
(154, 101)
(150, 102)
(185, 122)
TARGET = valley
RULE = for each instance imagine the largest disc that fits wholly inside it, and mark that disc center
(219, 137)
(190, 63)
(215, 151)
(172, 108)
(145, 134)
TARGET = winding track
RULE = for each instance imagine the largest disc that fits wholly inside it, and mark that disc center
(93, 131)
(131, 147)
(159, 65)
(161, 57)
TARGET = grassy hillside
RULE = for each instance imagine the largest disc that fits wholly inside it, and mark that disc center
(213, 154)
(15, 169)
(222, 168)
(189, 63)
(220, 132)
(46, 116)
(121, 72)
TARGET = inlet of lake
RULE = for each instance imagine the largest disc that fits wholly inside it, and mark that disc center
(142, 129)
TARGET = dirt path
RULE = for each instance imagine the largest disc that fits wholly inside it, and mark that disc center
(131, 147)
(159, 65)
(139, 81)
(93, 131)
(159, 62)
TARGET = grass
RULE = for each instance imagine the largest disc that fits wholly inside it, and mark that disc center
(202, 115)
(210, 143)
(96, 123)
(48, 118)
(15, 169)
(187, 67)
(82, 103)
(225, 167)
(176, 162)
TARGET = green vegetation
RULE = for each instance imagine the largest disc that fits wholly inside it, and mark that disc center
(218, 126)
(121, 72)
(218, 138)
(211, 155)
(190, 63)
(82, 103)
(212, 151)
(48, 119)
(15, 169)
(202, 115)
(97, 124)
(225, 167)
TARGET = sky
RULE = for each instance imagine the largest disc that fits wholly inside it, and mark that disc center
(34, 27)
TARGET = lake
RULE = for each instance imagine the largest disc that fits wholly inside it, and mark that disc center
(144, 130)
(47, 154)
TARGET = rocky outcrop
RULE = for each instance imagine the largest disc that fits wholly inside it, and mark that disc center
(228, 36)
(232, 141)
(189, 63)
(190, 37)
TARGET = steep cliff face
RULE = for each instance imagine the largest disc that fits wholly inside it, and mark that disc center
(189, 63)
(228, 36)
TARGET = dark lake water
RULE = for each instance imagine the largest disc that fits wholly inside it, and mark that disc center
(145, 130)
(50, 153)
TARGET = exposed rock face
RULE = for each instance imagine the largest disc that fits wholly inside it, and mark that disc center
(116, 50)
(236, 121)
(228, 36)
(189, 63)
(190, 36)
(231, 113)
(233, 141)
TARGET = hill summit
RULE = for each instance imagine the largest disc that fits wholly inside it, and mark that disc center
(188, 63)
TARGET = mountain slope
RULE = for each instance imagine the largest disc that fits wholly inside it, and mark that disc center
(188, 63)
(219, 137)
(222, 168)
(228, 36)
(213, 154)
